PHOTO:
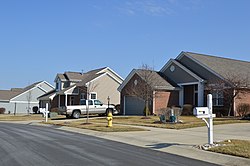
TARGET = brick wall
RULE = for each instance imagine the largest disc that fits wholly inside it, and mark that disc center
(241, 98)
(164, 99)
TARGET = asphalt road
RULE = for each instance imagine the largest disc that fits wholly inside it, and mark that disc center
(27, 145)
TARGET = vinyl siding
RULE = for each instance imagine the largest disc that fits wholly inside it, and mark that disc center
(106, 86)
(179, 75)
(35, 93)
(21, 108)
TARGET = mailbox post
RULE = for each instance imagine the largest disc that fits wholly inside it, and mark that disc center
(46, 112)
(206, 112)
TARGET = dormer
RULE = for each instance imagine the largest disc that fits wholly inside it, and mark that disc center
(60, 81)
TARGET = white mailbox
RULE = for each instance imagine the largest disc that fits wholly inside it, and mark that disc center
(200, 111)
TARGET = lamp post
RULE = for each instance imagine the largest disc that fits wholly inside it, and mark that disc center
(108, 101)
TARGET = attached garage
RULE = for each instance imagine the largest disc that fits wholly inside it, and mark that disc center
(133, 105)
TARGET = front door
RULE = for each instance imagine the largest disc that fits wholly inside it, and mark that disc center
(191, 94)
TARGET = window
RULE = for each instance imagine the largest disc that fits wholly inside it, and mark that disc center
(97, 102)
(72, 100)
(218, 97)
(83, 102)
(83, 96)
(90, 102)
(57, 86)
(93, 95)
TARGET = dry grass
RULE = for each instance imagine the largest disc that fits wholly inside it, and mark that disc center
(95, 126)
(20, 117)
(153, 121)
(235, 147)
(120, 122)
(24, 117)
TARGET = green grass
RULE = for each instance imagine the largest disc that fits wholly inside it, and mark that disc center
(239, 148)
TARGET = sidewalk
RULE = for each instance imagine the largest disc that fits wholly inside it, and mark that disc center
(180, 142)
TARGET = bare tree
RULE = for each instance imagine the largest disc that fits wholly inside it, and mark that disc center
(88, 87)
(233, 86)
(143, 88)
(28, 97)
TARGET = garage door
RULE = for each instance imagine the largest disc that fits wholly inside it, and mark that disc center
(134, 105)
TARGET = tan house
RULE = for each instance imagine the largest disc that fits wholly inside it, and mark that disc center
(71, 87)
(192, 76)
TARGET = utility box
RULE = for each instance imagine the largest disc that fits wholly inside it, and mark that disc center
(200, 111)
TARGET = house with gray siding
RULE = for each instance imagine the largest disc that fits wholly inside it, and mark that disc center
(195, 75)
(71, 87)
(23, 100)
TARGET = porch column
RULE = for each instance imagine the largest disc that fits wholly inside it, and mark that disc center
(200, 94)
(154, 96)
(59, 99)
(124, 103)
(66, 99)
(181, 96)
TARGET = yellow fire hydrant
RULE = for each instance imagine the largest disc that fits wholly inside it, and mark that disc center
(109, 119)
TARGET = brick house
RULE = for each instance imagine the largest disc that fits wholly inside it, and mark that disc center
(161, 92)
(191, 76)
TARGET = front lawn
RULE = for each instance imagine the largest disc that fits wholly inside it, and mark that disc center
(94, 126)
(153, 121)
(20, 117)
(239, 148)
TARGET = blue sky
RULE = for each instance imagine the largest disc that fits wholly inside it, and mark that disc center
(40, 38)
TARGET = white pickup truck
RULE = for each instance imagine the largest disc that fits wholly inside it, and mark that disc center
(95, 107)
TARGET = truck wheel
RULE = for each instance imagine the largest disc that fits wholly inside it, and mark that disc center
(76, 114)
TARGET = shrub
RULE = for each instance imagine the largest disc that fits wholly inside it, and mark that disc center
(118, 108)
(54, 110)
(187, 109)
(35, 109)
(243, 109)
(2, 110)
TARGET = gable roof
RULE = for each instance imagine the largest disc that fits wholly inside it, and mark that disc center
(222, 67)
(171, 61)
(81, 79)
(6, 95)
(50, 95)
(78, 76)
(84, 78)
(156, 81)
